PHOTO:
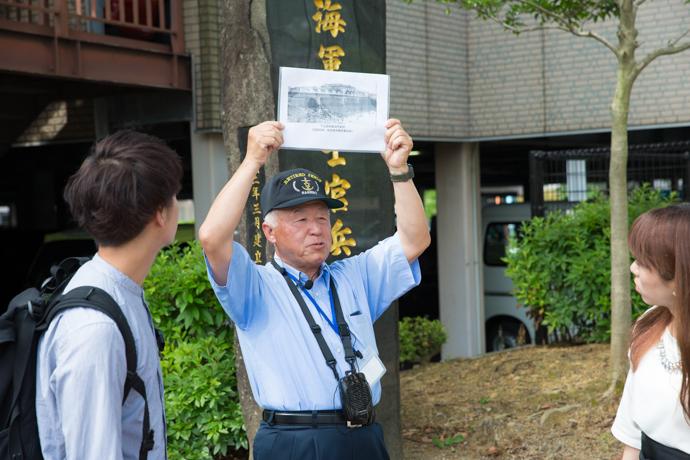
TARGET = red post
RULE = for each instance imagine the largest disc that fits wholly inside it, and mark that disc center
(149, 22)
(177, 37)
(161, 15)
(135, 11)
(46, 15)
(62, 18)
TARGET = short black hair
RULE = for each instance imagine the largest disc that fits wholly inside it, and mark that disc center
(127, 177)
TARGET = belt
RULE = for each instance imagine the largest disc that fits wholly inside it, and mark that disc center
(317, 417)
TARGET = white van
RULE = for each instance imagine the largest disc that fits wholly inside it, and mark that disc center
(506, 322)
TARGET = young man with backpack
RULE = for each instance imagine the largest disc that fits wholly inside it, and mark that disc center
(124, 196)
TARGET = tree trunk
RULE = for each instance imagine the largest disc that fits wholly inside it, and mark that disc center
(621, 312)
(247, 100)
(620, 262)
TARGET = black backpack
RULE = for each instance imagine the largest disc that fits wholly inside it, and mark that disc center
(29, 314)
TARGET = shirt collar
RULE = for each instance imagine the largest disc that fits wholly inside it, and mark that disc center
(117, 276)
(324, 271)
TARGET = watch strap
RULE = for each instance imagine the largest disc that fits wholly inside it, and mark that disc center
(405, 176)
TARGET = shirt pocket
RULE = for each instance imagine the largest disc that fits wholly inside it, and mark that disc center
(362, 331)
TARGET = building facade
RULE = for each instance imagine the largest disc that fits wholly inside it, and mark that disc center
(481, 98)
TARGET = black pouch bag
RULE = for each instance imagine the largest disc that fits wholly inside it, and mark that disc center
(355, 394)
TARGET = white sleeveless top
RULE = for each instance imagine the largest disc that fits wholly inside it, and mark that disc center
(651, 401)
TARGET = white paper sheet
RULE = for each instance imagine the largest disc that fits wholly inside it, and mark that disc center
(324, 110)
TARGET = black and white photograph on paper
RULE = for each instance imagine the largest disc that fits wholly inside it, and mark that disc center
(332, 103)
(324, 110)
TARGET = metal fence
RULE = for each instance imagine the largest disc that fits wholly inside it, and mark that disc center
(560, 179)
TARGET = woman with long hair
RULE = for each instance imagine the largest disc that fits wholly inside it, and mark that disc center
(653, 419)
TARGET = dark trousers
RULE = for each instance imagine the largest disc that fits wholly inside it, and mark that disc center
(324, 442)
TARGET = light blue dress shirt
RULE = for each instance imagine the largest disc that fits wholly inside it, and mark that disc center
(285, 366)
(81, 371)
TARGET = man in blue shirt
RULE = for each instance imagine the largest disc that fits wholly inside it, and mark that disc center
(124, 195)
(287, 368)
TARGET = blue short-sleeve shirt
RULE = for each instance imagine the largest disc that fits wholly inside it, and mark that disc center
(286, 368)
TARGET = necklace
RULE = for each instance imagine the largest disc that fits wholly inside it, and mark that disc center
(665, 362)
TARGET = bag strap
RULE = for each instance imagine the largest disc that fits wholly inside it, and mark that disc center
(24, 347)
(344, 329)
(98, 299)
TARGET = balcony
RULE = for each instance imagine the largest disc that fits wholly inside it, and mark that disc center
(121, 42)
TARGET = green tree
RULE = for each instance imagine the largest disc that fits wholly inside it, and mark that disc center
(576, 18)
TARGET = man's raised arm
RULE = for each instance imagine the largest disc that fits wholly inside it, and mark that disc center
(216, 233)
(409, 211)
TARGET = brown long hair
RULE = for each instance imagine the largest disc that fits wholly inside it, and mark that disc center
(660, 240)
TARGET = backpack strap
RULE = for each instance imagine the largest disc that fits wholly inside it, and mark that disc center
(24, 347)
(98, 299)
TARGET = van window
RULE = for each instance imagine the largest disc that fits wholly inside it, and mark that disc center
(496, 242)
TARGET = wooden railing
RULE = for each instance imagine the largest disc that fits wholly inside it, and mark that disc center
(155, 21)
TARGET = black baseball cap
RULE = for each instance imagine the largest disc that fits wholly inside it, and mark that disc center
(292, 188)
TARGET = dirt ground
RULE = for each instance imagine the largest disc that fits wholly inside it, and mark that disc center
(529, 403)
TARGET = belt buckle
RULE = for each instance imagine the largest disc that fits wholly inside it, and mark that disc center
(353, 425)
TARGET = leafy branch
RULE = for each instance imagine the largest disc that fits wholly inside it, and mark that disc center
(673, 47)
(566, 16)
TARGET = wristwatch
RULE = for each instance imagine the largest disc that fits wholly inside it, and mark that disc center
(405, 176)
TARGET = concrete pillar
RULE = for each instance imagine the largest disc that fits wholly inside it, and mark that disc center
(209, 171)
(461, 299)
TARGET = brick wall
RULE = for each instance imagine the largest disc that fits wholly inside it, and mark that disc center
(580, 79)
(427, 62)
(506, 81)
(202, 29)
(662, 93)
(460, 77)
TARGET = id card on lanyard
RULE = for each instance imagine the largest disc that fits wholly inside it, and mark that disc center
(371, 365)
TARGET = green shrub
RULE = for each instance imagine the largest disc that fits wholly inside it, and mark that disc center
(561, 269)
(201, 401)
(181, 298)
(420, 339)
(202, 407)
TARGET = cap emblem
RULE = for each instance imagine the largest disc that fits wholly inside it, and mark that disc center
(305, 186)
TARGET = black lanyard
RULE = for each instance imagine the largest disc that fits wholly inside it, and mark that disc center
(344, 329)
